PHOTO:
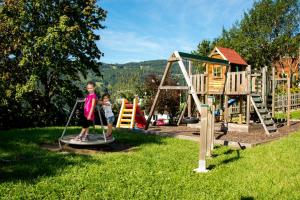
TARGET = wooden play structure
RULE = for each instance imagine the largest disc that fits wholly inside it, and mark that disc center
(219, 81)
(130, 115)
(227, 77)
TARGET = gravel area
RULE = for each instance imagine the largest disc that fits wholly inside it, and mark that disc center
(256, 135)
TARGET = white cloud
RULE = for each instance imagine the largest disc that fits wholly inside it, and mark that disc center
(135, 47)
(153, 29)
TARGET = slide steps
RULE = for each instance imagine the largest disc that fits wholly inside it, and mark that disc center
(127, 114)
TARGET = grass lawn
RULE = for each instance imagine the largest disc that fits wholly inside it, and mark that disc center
(155, 168)
(294, 115)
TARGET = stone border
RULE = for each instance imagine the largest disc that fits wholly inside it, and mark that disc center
(233, 144)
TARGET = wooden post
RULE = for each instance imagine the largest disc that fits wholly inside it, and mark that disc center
(213, 127)
(273, 91)
(226, 111)
(203, 140)
(182, 114)
(241, 110)
(190, 97)
(210, 126)
(248, 95)
(226, 90)
(289, 99)
(167, 69)
(264, 85)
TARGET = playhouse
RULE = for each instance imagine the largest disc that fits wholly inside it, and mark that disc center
(227, 77)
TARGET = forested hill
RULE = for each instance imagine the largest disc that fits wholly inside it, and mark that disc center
(118, 74)
(143, 64)
(128, 77)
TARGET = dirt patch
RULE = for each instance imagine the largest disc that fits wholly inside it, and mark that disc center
(87, 150)
(256, 135)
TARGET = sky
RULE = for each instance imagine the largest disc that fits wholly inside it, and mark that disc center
(139, 30)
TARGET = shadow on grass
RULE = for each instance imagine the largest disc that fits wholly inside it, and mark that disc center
(27, 162)
(125, 140)
(231, 156)
(247, 198)
(21, 157)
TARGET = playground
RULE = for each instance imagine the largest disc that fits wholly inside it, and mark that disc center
(144, 161)
(226, 81)
(150, 100)
(149, 167)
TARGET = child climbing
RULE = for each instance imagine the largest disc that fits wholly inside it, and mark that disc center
(109, 115)
(88, 112)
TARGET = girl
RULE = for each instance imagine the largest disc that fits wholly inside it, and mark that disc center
(109, 115)
(88, 112)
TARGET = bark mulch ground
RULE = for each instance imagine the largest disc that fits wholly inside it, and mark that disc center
(256, 135)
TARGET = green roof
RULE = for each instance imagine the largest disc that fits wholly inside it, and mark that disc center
(203, 58)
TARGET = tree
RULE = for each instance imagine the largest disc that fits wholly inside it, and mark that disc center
(169, 100)
(204, 48)
(263, 32)
(43, 46)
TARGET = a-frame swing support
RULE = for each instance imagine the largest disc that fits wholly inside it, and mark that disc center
(178, 57)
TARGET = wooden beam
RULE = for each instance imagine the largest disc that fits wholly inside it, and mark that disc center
(182, 114)
(167, 69)
(189, 83)
(204, 59)
(167, 87)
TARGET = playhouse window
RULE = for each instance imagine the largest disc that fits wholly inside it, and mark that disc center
(217, 71)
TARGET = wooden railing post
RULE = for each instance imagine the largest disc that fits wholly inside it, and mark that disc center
(289, 99)
(248, 95)
(264, 85)
(273, 91)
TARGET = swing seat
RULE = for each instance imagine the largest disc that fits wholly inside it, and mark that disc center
(94, 139)
(190, 120)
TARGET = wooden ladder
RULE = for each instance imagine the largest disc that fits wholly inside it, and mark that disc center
(127, 114)
(263, 114)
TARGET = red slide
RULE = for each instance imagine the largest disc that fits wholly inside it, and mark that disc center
(140, 119)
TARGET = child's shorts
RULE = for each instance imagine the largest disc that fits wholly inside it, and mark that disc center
(85, 122)
(110, 120)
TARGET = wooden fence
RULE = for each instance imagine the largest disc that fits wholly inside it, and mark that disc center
(280, 104)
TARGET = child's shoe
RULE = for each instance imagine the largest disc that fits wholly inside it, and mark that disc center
(85, 138)
(77, 138)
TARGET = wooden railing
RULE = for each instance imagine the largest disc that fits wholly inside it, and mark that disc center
(236, 83)
(199, 82)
